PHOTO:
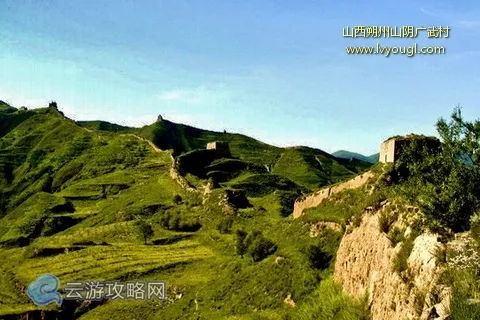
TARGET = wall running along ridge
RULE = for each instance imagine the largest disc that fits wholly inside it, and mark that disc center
(316, 198)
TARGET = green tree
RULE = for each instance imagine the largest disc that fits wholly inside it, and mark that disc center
(254, 244)
(318, 258)
(177, 199)
(240, 245)
(260, 248)
(36, 157)
(460, 158)
(225, 225)
(145, 230)
(445, 181)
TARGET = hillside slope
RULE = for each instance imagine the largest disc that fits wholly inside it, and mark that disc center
(103, 125)
(74, 198)
(313, 168)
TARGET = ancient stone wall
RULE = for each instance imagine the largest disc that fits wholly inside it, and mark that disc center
(318, 197)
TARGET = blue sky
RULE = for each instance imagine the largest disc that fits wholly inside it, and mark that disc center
(275, 70)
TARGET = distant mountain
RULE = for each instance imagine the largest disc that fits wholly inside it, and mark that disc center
(374, 158)
(344, 154)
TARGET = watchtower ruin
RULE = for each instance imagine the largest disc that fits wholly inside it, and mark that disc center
(220, 146)
(391, 148)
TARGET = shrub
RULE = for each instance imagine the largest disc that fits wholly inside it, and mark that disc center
(176, 221)
(385, 220)
(465, 286)
(318, 258)
(31, 226)
(240, 245)
(396, 235)
(173, 223)
(400, 262)
(254, 244)
(225, 225)
(329, 301)
(36, 157)
(443, 179)
(55, 224)
(475, 227)
(287, 201)
(189, 225)
(260, 185)
(177, 199)
(145, 230)
(420, 297)
(375, 199)
(440, 254)
(357, 219)
(252, 236)
(260, 248)
(322, 252)
(78, 145)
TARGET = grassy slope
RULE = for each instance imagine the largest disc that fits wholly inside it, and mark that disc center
(112, 179)
(307, 167)
(103, 125)
(313, 168)
(182, 138)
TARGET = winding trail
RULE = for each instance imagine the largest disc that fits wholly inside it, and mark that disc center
(174, 174)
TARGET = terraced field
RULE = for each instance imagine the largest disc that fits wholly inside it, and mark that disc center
(112, 261)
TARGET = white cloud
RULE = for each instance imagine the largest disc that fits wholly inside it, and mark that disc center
(196, 95)
(455, 19)
(30, 102)
(181, 96)
(430, 13)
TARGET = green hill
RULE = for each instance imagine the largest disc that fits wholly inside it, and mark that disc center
(10, 117)
(310, 168)
(313, 168)
(374, 158)
(74, 195)
(182, 138)
(6, 108)
(102, 125)
(344, 154)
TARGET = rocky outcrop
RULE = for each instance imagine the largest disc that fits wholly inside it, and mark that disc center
(315, 199)
(289, 301)
(364, 266)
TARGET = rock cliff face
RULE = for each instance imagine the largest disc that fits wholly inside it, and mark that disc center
(364, 266)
